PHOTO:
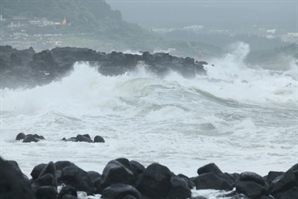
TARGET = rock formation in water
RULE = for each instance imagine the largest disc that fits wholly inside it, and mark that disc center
(124, 179)
(26, 68)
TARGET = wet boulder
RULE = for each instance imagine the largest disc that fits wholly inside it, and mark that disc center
(83, 138)
(211, 177)
(119, 191)
(252, 185)
(67, 191)
(179, 188)
(271, 176)
(211, 181)
(46, 192)
(286, 182)
(251, 176)
(291, 193)
(136, 167)
(36, 170)
(33, 138)
(155, 181)
(93, 175)
(116, 171)
(46, 176)
(78, 178)
(189, 182)
(252, 189)
(20, 136)
(15, 166)
(99, 139)
(12, 184)
(44, 180)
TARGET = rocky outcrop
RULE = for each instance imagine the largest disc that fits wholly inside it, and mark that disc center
(12, 183)
(79, 138)
(125, 179)
(29, 137)
(26, 68)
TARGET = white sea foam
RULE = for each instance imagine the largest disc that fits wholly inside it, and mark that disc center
(240, 118)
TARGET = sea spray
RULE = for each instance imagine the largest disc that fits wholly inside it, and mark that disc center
(235, 116)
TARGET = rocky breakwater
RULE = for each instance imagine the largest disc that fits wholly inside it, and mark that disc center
(27, 68)
(128, 179)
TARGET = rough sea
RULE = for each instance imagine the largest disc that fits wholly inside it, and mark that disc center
(240, 117)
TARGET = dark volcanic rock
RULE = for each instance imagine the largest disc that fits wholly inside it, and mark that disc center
(179, 188)
(60, 165)
(78, 178)
(189, 182)
(272, 175)
(67, 190)
(20, 136)
(131, 180)
(45, 180)
(33, 138)
(12, 185)
(252, 189)
(15, 166)
(211, 181)
(46, 192)
(36, 170)
(116, 171)
(136, 167)
(234, 177)
(213, 168)
(155, 181)
(83, 138)
(211, 177)
(93, 175)
(25, 68)
(284, 182)
(291, 193)
(119, 191)
(98, 139)
(46, 176)
(251, 176)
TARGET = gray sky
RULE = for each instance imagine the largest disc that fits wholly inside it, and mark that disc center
(166, 13)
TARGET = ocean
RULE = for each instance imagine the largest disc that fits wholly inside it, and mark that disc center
(240, 117)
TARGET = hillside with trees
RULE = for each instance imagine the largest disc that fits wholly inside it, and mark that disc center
(86, 23)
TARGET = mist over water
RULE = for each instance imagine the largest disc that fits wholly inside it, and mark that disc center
(242, 118)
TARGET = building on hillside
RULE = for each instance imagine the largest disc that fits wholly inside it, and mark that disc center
(18, 21)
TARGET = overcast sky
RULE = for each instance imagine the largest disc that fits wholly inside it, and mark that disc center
(166, 13)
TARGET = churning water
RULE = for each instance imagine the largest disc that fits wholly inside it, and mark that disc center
(241, 118)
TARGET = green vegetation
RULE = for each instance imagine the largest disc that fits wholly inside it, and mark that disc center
(83, 15)
(92, 24)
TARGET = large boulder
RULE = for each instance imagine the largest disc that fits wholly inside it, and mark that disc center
(33, 138)
(36, 170)
(26, 68)
(211, 177)
(68, 191)
(116, 171)
(284, 182)
(12, 184)
(119, 191)
(252, 189)
(78, 178)
(179, 188)
(211, 181)
(155, 181)
(46, 192)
